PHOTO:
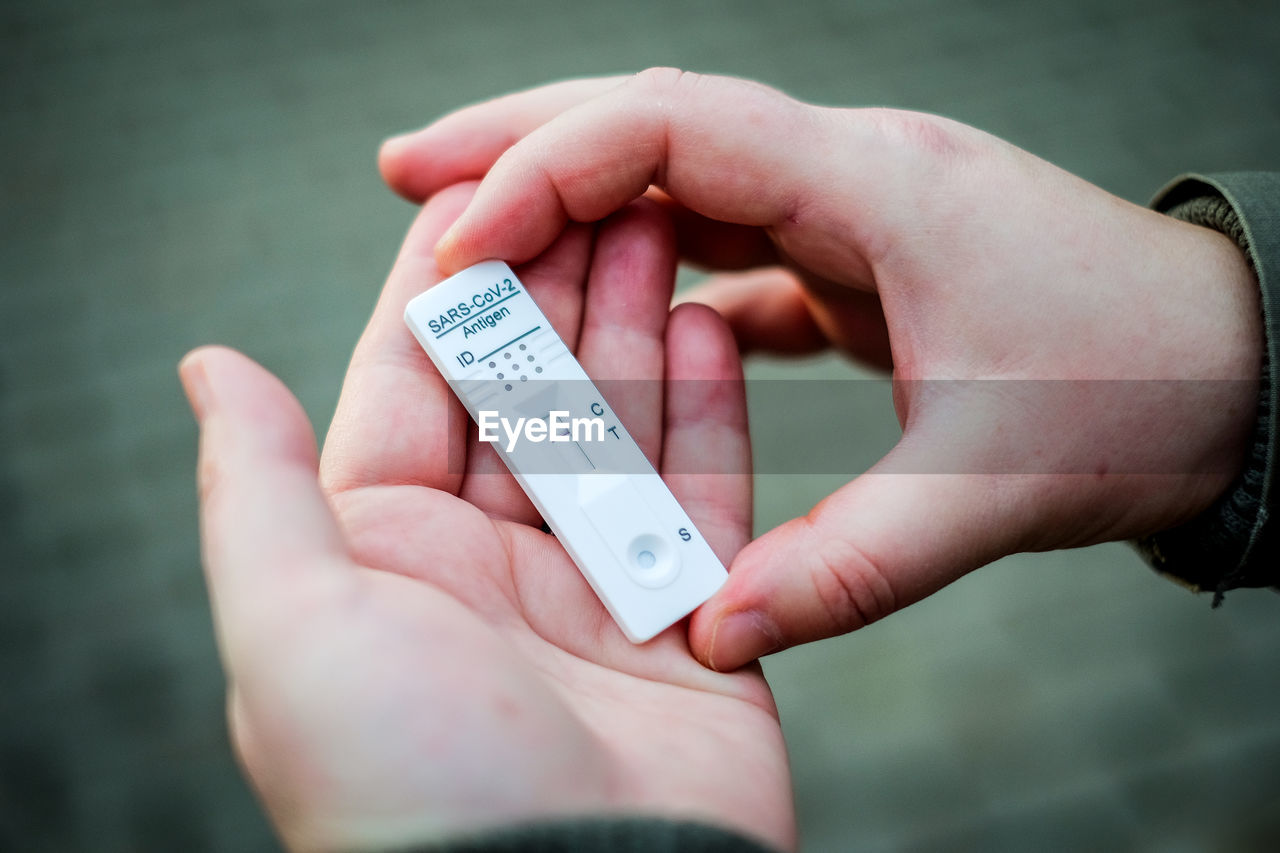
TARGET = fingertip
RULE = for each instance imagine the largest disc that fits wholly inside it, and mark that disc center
(479, 235)
(245, 397)
(702, 625)
(396, 167)
(461, 246)
(778, 595)
(701, 344)
(738, 638)
(722, 642)
(447, 252)
(195, 384)
(700, 315)
(393, 145)
(193, 373)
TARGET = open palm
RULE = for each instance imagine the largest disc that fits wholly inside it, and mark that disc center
(408, 654)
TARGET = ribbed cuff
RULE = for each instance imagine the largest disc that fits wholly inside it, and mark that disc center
(599, 835)
(1233, 543)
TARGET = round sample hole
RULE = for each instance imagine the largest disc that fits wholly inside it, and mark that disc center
(524, 378)
(531, 358)
(506, 355)
(508, 386)
(523, 347)
(499, 375)
(651, 561)
(537, 370)
(493, 364)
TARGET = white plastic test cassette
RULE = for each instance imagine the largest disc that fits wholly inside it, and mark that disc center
(572, 456)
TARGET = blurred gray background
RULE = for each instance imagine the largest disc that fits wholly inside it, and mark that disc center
(176, 173)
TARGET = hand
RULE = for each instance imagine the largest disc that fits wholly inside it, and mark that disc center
(920, 245)
(408, 655)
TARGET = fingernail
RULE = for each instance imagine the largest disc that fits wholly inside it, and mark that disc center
(391, 145)
(447, 239)
(196, 385)
(444, 248)
(740, 638)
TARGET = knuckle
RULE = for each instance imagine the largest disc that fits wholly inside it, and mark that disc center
(657, 94)
(931, 136)
(662, 79)
(667, 91)
(850, 585)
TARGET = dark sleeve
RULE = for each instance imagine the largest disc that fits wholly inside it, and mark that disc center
(600, 835)
(1235, 542)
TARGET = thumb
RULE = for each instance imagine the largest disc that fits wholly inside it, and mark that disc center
(878, 544)
(266, 527)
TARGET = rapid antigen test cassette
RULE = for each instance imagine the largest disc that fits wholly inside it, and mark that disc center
(567, 449)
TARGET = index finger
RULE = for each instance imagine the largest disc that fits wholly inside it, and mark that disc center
(728, 149)
(464, 144)
(396, 419)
